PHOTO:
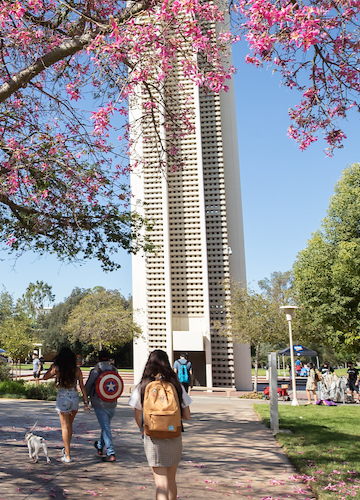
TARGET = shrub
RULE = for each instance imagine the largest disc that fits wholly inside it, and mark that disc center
(4, 370)
(12, 387)
(18, 389)
(252, 395)
(42, 391)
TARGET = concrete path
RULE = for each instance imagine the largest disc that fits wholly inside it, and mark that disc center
(227, 452)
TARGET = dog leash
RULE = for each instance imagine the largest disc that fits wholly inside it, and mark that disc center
(38, 416)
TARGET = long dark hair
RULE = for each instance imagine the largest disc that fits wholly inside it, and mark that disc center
(65, 363)
(158, 363)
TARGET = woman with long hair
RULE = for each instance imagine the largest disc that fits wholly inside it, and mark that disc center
(311, 384)
(163, 455)
(67, 374)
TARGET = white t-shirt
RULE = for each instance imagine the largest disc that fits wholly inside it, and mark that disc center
(135, 399)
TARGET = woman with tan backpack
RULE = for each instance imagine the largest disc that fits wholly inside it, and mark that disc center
(160, 402)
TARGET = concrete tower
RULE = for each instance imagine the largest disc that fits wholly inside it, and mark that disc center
(198, 235)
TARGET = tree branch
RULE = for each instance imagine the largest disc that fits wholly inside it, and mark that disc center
(65, 49)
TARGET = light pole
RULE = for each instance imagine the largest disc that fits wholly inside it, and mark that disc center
(290, 311)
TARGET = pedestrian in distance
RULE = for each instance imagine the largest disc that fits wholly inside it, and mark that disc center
(311, 384)
(104, 410)
(353, 380)
(183, 369)
(326, 368)
(163, 454)
(67, 375)
(36, 368)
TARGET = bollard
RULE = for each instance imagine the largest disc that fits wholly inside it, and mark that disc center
(274, 410)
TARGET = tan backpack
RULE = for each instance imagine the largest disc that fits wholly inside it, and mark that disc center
(161, 410)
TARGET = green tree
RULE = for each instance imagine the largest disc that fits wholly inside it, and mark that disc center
(103, 318)
(16, 337)
(253, 318)
(279, 287)
(16, 334)
(37, 296)
(51, 325)
(7, 306)
(327, 271)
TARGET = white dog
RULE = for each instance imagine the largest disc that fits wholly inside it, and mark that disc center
(35, 443)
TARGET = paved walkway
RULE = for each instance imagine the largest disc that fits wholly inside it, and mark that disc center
(227, 452)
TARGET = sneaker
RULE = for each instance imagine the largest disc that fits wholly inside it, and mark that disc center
(109, 458)
(99, 452)
(65, 460)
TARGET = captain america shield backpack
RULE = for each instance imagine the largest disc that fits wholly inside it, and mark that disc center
(109, 386)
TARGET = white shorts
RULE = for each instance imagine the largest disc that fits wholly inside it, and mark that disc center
(67, 400)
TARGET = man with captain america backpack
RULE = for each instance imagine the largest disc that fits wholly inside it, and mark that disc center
(184, 371)
(104, 386)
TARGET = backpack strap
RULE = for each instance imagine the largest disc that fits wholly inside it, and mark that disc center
(99, 370)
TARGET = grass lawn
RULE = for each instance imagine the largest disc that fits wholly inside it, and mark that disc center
(323, 445)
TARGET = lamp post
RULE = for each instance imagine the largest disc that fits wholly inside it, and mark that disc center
(290, 311)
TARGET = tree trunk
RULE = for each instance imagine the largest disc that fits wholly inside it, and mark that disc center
(257, 349)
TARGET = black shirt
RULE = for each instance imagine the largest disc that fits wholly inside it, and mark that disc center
(353, 374)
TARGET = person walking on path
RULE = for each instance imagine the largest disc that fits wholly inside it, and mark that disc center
(67, 375)
(104, 410)
(184, 371)
(36, 368)
(353, 380)
(163, 455)
(311, 384)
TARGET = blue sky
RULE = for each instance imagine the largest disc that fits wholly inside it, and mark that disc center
(285, 192)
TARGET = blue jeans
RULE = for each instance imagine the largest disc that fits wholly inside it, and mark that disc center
(104, 416)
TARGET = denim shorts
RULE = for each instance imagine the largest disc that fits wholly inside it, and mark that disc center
(67, 400)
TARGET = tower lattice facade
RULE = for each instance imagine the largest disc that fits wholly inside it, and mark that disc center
(178, 291)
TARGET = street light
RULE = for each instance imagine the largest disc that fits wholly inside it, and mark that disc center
(290, 311)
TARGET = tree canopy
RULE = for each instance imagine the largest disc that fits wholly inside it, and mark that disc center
(327, 271)
(68, 72)
(62, 188)
(16, 335)
(102, 318)
(253, 318)
(278, 288)
(7, 306)
(51, 325)
(37, 296)
(314, 44)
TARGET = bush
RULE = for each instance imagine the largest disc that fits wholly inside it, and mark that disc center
(12, 387)
(18, 389)
(4, 370)
(42, 391)
(252, 395)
